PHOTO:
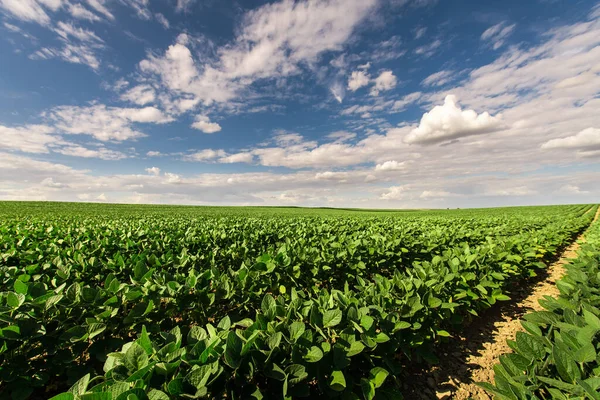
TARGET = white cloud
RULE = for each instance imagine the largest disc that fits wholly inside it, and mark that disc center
(420, 32)
(497, 34)
(162, 20)
(51, 183)
(451, 122)
(338, 91)
(140, 7)
(364, 66)
(586, 139)
(205, 155)
(439, 78)
(391, 166)
(140, 95)
(341, 136)
(67, 31)
(184, 5)
(99, 6)
(264, 48)
(80, 12)
(105, 123)
(27, 10)
(247, 158)
(394, 193)
(154, 153)
(28, 139)
(202, 123)
(80, 151)
(357, 80)
(511, 191)
(571, 189)
(79, 46)
(385, 81)
(429, 49)
(153, 171)
(435, 194)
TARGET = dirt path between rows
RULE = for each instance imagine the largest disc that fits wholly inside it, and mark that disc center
(471, 357)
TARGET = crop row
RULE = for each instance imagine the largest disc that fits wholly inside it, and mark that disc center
(272, 307)
(558, 357)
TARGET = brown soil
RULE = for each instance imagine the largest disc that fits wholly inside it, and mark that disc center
(471, 356)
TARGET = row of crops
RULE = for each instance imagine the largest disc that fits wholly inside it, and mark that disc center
(122, 302)
(558, 355)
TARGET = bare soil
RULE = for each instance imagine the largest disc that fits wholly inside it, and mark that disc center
(471, 356)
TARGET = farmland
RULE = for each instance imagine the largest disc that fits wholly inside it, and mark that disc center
(156, 302)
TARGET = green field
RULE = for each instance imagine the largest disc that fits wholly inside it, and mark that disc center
(161, 302)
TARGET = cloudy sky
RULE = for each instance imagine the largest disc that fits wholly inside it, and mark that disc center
(353, 103)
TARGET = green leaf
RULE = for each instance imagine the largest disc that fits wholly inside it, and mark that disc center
(175, 387)
(135, 358)
(589, 391)
(587, 353)
(332, 318)
(80, 387)
(157, 395)
(225, 324)
(199, 376)
(63, 396)
(567, 369)
(296, 330)
(378, 376)
(96, 396)
(368, 389)
(337, 381)
(15, 300)
(314, 354)
(274, 340)
(367, 322)
(20, 287)
(233, 350)
(144, 341)
(529, 346)
(355, 348)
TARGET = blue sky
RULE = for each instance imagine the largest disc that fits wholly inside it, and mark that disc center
(353, 103)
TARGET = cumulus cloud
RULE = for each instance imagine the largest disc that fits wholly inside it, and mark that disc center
(391, 166)
(202, 123)
(357, 80)
(586, 139)
(153, 153)
(394, 193)
(237, 158)
(205, 155)
(451, 122)
(153, 171)
(105, 123)
(497, 34)
(384, 82)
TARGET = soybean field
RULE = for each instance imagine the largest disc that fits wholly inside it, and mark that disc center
(158, 302)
